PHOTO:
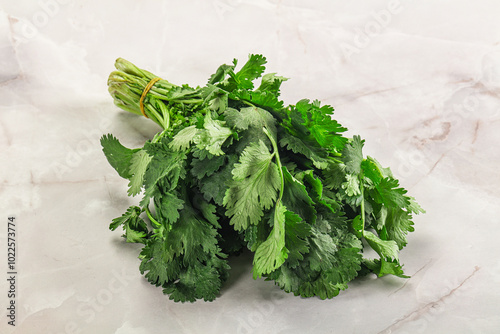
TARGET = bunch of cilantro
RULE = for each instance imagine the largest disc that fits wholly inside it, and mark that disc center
(233, 169)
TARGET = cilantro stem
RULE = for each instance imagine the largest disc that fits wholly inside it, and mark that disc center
(150, 216)
(362, 189)
(166, 113)
(278, 162)
(158, 136)
(248, 103)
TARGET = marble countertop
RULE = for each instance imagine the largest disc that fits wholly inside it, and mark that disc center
(419, 81)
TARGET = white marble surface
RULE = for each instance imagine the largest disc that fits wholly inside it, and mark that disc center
(419, 81)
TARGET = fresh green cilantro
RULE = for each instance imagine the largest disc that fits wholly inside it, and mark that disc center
(119, 157)
(134, 226)
(272, 253)
(138, 165)
(254, 186)
(234, 168)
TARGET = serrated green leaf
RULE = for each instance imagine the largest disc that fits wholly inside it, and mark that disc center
(191, 236)
(316, 154)
(296, 234)
(351, 185)
(318, 193)
(413, 206)
(136, 230)
(215, 98)
(118, 156)
(214, 186)
(250, 117)
(264, 99)
(314, 125)
(157, 263)
(389, 193)
(166, 166)
(183, 139)
(214, 136)
(168, 205)
(386, 249)
(295, 196)
(272, 253)
(221, 74)
(374, 171)
(383, 267)
(322, 250)
(352, 155)
(334, 175)
(207, 210)
(271, 83)
(138, 166)
(252, 70)
(254, 186)
(208, 166)
(396, 224)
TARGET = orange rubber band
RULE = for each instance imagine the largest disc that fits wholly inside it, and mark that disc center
(144, 92)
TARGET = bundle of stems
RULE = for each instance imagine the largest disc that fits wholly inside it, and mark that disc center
(128, 83)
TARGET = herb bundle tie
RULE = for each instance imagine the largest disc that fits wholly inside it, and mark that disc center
(144, 92)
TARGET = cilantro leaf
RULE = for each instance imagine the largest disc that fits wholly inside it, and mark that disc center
(332, 261)
(250, 117)
(166, 167)
(157, 264)
(253, 187)
(214, 186)
(213, 137)
(295, 196)
(382, 267)
(118, 156)
(138, 166)
(271, 83)
(187, 261)
(296, 234)
(183, 139)
(315, 154)
(221, 73)
(320, 196)
(135, 228)
(198, 281)
(352, 155)
(168, 206)
(389, 193)
(313, 124)
(216, 98)
(374, 171)
(322, 250)
(272, 253)
(207, 166)
(264, 99)
(387, 249)
(192, 236)
(252, 69)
